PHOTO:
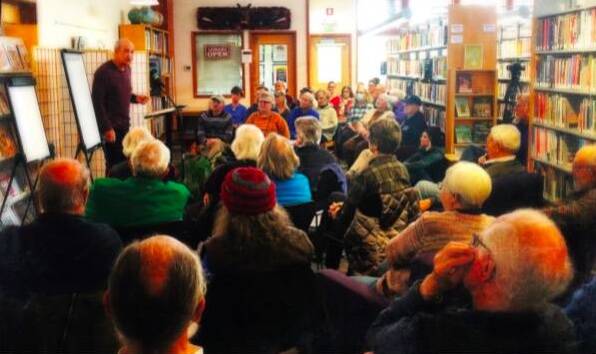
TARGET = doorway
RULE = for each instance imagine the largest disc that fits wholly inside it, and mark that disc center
(330, 59)
(273, 59)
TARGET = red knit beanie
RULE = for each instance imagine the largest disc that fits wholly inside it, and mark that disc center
(248, 190)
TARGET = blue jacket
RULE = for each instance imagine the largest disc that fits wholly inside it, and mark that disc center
(238, 114)
(293, 191)
(297, 113)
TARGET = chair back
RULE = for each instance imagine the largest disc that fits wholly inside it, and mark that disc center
(180, 230)
(510, 192)
(302, 215)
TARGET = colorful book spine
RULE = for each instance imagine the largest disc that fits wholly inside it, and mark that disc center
(559, 111)
(576, 72)
(567, 32)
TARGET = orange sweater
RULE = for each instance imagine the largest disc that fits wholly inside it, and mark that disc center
(274, 123)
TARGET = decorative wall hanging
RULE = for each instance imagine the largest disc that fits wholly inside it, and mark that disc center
(239, 18)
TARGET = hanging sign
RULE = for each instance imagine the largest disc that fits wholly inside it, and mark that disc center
(217, 51)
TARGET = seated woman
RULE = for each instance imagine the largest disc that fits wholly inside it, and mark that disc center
(281, 104)
(132, 139)
(143, 199)
(261, 285)
(428, 162)
(465, 188)
(278, 159)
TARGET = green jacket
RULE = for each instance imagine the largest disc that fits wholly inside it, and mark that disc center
(136, 201)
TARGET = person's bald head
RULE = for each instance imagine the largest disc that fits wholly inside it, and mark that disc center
(155, 291)
(584, 167)
(63, 187)
(123, 52)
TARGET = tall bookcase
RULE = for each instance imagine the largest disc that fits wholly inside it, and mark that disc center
(428, 60)
(154, 43)
(564, 91)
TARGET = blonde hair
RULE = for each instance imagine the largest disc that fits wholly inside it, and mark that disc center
(277, 157)
(469, 182)
(507, 136)
(133, 138)
(248, 142)
(150, 159)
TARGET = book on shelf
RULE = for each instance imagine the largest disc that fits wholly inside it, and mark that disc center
(480, 132)
(566, 112)
(431, 92)
(13, 56)
(435, 117)
(514, 48)
(4, 108)
(556, 185)
(464, 83)
(462, 107)
(503, 73)
(426, 36)
(569, 31)
(558, 149)
(482, 107)
(502, 88)
(576, 72)
(463, 134)
(8, 147)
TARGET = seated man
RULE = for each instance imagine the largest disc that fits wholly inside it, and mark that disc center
(327, 114)
(143, 199)
(312, 157)
(502, 144)
(576, 217)
(156, 297)
(60, 252)
(377, 208)
(305, 108)
(512, 271)
(236, 109)
(267, 119)
(215, 128)
(131, 140)
(281, 87)
(414, 123)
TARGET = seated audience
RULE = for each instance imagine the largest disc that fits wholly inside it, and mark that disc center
(512, 271)
(236, 109)
(281, 105)
(377, 207)
(266, 119)
(414, 123)
(313, 158)
(382, 110)
(397, 98)
(131, 140)
(360, 107)
(60, 252)
(333, 98)
(371, 91)
(215, 128)
(576, 216)
(260, 291)
(346, 102)
(281, 87)
(353, 116)
(502, 144)
(327, 115)
(428, 162)
(156, 297)
(143, 199)
(255, 106)
(582, 312)
(305, 108)
(278, 159)
(465, 188)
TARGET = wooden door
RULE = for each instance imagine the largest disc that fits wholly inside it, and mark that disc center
(330, 59)
(273, 59)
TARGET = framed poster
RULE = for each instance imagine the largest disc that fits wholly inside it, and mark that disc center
(280, 72)
(473, 56)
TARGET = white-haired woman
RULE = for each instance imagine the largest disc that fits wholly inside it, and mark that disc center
(465, 188)
(305, 108)
(144, 199)
(132, 139)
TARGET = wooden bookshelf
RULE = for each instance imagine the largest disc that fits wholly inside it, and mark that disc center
(563, 100)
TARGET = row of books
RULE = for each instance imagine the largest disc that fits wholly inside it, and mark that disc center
(430, 36)
(156, 41)
(570, 31)
(481, 107)
(502, 88)
(505, 74)
(433, 92)
(556, 185)
(561, 111)
(13, 55)
(518, 30)
(472, 134)
(514, 48)
(558, 149)
(571, 72)
(162, 64)
(435, 116)
(430, 67)
(399, 84)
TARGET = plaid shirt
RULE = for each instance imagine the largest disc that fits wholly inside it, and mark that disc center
(357, 112)
(384, 175)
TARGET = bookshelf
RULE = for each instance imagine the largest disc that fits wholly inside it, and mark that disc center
(155, 45)
(427, 60)
(563, 103)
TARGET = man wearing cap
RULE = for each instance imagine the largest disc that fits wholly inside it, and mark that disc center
(266, 119)
(214, 127)
(414, 124)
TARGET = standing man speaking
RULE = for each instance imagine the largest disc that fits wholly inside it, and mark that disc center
(112, 96)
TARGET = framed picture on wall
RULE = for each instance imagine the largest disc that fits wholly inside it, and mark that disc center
(280, 72)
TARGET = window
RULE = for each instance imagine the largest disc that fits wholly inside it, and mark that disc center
(217, 63)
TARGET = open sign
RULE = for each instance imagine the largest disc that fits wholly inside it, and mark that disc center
(217, 51)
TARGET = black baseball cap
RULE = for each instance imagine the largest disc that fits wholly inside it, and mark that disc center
(413, 99)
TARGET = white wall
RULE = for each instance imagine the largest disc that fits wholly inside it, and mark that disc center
(97, 21)
(185, 15)
(342, 21)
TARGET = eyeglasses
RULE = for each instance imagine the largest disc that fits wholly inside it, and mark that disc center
(265, 102)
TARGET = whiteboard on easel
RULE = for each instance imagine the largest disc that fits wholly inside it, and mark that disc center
(27, 116)
(80, 94)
